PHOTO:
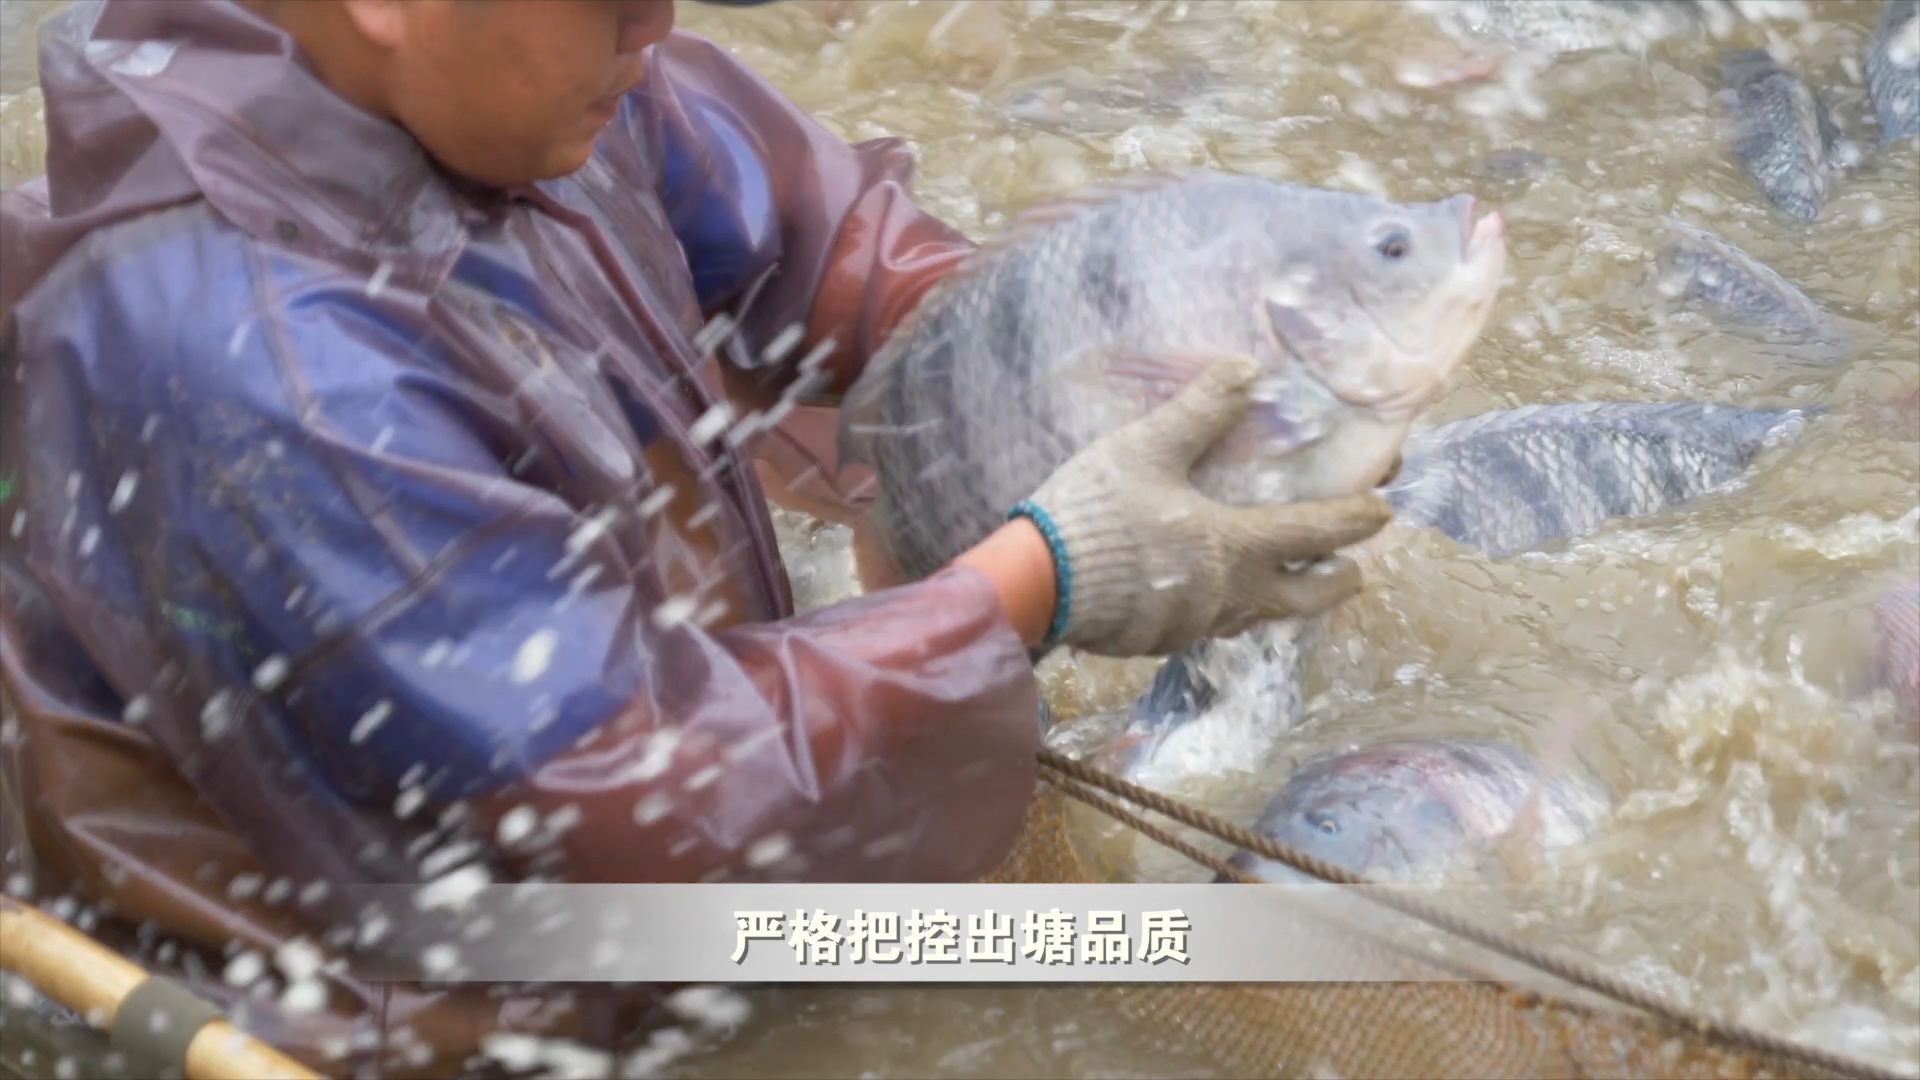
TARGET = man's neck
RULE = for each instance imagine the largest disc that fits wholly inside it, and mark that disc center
(332, 46)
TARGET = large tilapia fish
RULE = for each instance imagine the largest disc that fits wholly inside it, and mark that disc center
(1094, 310)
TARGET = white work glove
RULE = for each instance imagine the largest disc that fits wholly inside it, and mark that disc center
(1152, 565)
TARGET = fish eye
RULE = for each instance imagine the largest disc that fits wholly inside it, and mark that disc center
(1394, 245)
(1324, 822)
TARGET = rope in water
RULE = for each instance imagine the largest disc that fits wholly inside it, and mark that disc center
(1073, 778)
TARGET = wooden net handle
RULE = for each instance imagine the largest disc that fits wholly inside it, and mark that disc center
(94, 981)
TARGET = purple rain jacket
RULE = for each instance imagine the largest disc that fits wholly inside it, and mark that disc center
(345, 509)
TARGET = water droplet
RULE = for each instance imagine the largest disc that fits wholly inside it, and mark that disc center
(436, 654)
(656, 501)
(373, 930)
(298, 959)
(517, 824)
(271, 672)
(564, 818)
(244, 969)
(534, 657)
(378, 282)
(783, 343)
(123, 491)
(439, 959)
(652, 808)
(454, 889)
(675, 611)
(304, 996)
(409, 801)
(218, 716)
(147, 59)
(659, 756)
(768, 850)
(519, 1053)
(711, 424)
(370, 721)
(712, 1006)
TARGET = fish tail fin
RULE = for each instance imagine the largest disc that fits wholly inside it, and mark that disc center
(1744, 67)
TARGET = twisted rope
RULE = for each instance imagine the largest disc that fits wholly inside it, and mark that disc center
(1074, 778)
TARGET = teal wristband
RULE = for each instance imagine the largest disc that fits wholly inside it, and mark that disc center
(1062, 566)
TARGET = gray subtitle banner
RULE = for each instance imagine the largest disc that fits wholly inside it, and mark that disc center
(792, 933)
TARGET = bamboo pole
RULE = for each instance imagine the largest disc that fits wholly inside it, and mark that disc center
(92, 980)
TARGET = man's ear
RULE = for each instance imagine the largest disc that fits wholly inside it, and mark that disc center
(382, 22)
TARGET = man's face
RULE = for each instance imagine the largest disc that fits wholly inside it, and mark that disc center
(506, 92)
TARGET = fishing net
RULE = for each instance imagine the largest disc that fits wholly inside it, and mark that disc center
(1522, 1021)
(1501, 1025)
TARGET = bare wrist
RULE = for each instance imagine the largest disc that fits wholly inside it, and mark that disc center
(1018, 562)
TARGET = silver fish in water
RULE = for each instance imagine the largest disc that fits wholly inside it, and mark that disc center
(1893, 71)
(1517, 167)
(1782, 133)
(1482, 36)
(1421, 811)
(1564, 27)
(1074, 102)
(1509, 481)
(1220, 705)
(1897, 618)
(1708, 271)
(1093, 311)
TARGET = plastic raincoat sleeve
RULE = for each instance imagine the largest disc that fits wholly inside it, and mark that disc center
(783, 223)
(343, 487)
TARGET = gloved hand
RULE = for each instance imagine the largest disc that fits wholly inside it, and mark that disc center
(1152, 565)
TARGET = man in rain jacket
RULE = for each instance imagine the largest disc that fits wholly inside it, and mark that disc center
(374, 503)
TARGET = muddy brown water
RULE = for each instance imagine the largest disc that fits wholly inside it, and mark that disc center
(1712, 665)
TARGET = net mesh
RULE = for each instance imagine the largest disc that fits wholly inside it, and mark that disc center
(1354, 1030)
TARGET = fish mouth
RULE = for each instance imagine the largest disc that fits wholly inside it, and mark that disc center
(1463, 208)
(1482, 236)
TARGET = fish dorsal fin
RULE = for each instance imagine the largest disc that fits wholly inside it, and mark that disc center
(860, 406)
(1059, 209)
(1072, 204)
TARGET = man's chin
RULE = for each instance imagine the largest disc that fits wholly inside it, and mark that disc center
(569, 160)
